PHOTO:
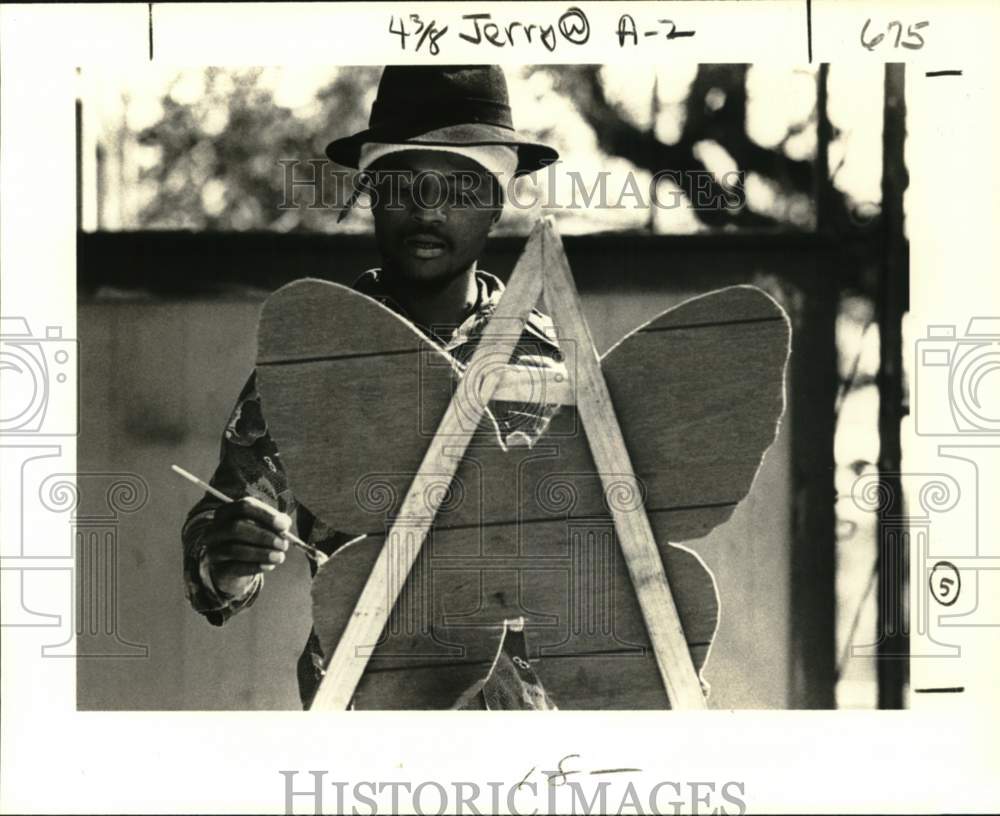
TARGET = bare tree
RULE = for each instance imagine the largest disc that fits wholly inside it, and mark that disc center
(715, 109)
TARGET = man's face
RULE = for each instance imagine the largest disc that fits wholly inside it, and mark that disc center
(433, 212)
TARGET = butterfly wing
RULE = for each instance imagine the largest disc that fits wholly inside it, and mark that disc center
(352, 394)
(699, 392)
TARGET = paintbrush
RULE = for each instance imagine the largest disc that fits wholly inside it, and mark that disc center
(288, 535)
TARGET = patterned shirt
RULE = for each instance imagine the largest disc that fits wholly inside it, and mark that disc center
(250, 465)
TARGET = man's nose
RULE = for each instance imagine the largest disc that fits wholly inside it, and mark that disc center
(428, 214)
(430, 199)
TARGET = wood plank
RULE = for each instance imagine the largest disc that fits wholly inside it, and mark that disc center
(527, 384)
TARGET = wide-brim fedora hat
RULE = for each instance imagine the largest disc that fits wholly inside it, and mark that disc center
(443, 106)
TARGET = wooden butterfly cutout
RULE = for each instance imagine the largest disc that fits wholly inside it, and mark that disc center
(353, 394)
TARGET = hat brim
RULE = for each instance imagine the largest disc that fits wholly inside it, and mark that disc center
(531, 156)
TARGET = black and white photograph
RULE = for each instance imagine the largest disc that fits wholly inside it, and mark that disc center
(545, 358)
(723, 229)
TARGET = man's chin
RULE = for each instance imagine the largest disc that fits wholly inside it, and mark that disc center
(426, 275)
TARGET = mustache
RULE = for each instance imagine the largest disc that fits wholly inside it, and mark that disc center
(425, 234)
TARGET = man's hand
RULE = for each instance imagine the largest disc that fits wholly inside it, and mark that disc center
(244, 540)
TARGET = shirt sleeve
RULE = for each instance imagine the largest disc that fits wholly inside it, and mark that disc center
(249, 465)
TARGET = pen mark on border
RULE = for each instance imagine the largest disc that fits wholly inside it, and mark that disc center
(529, 773)
(950, 72)
(943, 690)
(150, 16)
(615, 770)
(809, 28)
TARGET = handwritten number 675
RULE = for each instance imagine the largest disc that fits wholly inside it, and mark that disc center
(914, 41)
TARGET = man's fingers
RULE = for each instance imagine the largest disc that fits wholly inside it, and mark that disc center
(254, 510)
(235, 551)
(279, 521)
(247, 532)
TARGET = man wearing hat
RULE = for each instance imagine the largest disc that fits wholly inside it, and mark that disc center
(438, 152)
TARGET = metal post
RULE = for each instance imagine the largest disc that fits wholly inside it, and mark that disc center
(893, 301)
